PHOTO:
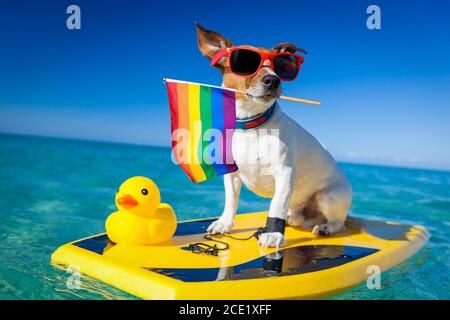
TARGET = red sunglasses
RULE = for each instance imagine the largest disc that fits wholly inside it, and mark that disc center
(247, 62)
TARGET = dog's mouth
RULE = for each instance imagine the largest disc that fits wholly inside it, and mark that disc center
(260, 93)
(268, 96)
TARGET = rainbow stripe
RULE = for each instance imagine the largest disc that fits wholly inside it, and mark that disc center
(200, 116)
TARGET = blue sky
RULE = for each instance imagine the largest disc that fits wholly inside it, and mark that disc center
(385, 93)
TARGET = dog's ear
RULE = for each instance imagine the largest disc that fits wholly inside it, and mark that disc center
(210, 42)
(287, 47)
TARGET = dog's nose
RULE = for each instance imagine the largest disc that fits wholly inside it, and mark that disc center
(271, 81)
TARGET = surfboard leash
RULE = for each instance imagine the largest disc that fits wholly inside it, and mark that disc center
(201, 247)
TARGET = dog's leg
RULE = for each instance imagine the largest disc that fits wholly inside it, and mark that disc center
(294, 217)
(334, 203)
(284, 185)
(233, 184)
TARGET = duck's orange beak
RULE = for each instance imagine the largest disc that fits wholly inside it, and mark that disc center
(127, 201)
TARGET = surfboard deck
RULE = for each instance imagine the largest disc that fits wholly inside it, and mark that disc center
(306, 267)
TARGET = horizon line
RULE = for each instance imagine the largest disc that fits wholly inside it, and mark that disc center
(93, 140)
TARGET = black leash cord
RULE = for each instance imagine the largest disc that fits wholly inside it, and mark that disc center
(201, 247)
(256, 235)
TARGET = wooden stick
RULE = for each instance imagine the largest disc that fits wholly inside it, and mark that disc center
(293, 99)
(313, 102)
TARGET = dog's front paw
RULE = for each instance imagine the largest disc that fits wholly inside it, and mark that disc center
(271, 239)
(327, 229)
(220, 227)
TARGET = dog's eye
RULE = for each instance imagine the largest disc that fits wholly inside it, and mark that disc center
(144, 192)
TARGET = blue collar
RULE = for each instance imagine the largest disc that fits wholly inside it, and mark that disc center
(256, 121)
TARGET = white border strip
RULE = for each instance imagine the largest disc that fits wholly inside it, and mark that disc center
(200, 84)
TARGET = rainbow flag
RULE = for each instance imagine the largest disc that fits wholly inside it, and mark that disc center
(203, 119)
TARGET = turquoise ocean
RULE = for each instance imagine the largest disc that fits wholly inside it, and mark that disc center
(53, 191)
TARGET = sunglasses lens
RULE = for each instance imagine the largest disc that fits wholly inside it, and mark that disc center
(286, 66)
(244, 62)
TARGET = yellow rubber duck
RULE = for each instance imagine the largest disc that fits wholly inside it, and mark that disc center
(142, 219)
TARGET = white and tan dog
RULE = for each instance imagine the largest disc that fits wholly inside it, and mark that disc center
(289, 164)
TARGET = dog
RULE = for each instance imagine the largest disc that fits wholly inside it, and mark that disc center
(291, 167)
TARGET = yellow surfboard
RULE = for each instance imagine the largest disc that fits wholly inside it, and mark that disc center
(306, 267)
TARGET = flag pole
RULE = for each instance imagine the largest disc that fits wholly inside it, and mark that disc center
(300, 100)
(287, 98)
